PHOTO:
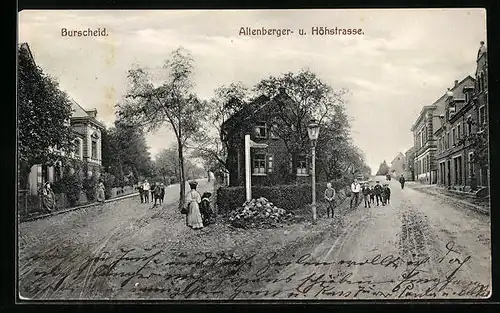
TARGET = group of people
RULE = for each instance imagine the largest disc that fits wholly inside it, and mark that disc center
(149, 192)
(198, 210)
(381, 194)
(48, 198)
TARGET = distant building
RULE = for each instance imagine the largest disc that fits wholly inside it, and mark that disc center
(430, 119)
(466, 114)
(87, 130)
(409, 172)
(398, 165)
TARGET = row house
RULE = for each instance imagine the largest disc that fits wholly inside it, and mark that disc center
(425, 143)
(87, 131)
(466, 114)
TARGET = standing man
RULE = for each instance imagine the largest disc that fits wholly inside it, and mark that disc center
(145, 188)
(402, 181)
(141, 191)
(330, 199)
(355, 189)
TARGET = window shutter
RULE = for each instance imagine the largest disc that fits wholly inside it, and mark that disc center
(270, 163)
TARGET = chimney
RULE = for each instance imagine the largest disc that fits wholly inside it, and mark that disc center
(456, 83)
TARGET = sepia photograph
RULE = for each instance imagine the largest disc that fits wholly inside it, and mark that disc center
(313, 154)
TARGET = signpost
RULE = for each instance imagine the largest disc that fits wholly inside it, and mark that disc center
(248, 170)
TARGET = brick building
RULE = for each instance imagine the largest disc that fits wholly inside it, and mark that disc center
(87, 130)
(272, 165)
(466, 114)
(424, 139)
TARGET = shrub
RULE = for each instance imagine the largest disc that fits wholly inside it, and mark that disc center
(90, 187)
(109, 182)
(71, 186)
(288, 197)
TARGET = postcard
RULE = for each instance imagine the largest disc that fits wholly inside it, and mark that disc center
(227, 155)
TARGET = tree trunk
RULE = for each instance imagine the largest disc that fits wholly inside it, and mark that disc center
(182, 182)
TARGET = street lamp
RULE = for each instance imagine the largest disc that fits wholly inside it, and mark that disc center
(313, 132)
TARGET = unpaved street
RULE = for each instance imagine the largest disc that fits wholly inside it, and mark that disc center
(416, 247)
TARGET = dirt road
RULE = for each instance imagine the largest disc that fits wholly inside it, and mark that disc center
(416, 247)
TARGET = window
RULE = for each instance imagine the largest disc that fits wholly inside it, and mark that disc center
(466, 93)
(273, 132)
(261, 130)
(453, 136)
(270, 163)
(459, 131)
(448, 140)
(259, 164)
(482, 116)
(94, 149)
(302, 165)
(469, 126)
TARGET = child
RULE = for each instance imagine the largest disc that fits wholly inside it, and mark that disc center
(330, 199)
(372, 195)
(387, 193)
(366, 195)
(378, 193)
(207, 214)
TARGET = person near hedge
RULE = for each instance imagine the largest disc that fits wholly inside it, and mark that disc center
(330, 199)
(145, 188)
(366, 195)
(207, 214)
(100, 191)
(355, 189)
(48, 198)
(193, 216)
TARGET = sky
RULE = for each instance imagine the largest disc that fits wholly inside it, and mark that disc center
(405, 58)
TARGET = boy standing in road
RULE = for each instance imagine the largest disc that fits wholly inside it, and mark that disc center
(355, 189)
(402, 181)
(378, 193)
(330, 199)
(145, 188)
(387, 193)
(366, 195)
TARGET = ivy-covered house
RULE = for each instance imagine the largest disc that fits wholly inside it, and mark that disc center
(87, 131)
(277, 163)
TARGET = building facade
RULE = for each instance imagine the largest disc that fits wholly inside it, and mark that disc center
(271, 165)
(466, 115)
(398, 165)
(87, 131)
(424, 140)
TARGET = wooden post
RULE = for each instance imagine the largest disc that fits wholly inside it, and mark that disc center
(248, 174)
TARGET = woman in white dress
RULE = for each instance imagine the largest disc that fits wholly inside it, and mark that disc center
(193, 199)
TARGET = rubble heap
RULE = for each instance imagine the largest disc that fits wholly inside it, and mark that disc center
(258, 213)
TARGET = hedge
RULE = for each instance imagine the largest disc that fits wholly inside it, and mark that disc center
(288, 197)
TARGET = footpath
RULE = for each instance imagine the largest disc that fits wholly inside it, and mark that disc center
(480, 205)
(93, 204)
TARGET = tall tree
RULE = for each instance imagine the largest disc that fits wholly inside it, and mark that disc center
(167, 163)
(44, 113)
(383, 169)
(227, 100)
(172, 103)
(306, 96)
